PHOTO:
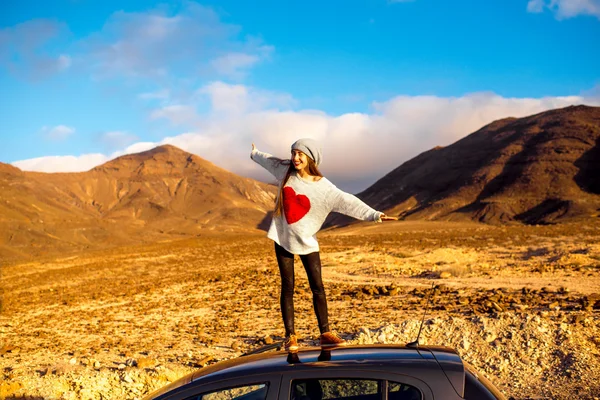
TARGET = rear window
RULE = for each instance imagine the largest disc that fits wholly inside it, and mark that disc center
(351, 389)
(478, 387)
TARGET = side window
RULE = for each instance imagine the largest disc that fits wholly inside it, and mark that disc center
(250, 392)
(330, 389)
(402, 391)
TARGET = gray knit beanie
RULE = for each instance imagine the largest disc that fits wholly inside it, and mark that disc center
(310, 147)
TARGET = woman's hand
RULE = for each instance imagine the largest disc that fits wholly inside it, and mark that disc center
(386, 218)
(253, 147)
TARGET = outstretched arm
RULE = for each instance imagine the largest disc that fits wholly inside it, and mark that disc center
(274, 165)
(352, 206)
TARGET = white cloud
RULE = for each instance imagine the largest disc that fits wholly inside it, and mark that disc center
(164, 44)
(63, 62)
(62, 163)
(177, 114)
(236, 99)
(227, 98)
(593, 93)
(233, 64)
(80, 163)
(358, 148)
(535, 6)
(564, 9)
(159, 43)
(59, 132)
(117, 139)
(157, 95)
(134, 148)
(26, 49)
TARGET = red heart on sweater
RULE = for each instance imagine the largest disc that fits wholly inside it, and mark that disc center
(295, 206)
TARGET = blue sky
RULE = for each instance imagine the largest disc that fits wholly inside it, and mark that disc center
(375, 81)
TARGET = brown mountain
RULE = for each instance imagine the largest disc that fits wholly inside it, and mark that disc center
(540, 169)
(159, 194)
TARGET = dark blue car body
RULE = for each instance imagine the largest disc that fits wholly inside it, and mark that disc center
(366, 372)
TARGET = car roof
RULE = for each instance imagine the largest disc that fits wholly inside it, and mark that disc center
(447, 358)
(314, 357)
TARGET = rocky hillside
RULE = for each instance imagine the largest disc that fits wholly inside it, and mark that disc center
(155, 195)
(540, 169)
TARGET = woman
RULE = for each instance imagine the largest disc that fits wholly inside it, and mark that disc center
(304, 201)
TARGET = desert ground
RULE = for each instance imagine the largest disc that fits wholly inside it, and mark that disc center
(520, 303)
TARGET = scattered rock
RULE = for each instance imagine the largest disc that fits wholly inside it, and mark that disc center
(268, 340)
(206, 360)
(489, 337)
(9, 389)
(8, 349)
(146, 362)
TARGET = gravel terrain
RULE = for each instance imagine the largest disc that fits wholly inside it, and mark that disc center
(520, 303)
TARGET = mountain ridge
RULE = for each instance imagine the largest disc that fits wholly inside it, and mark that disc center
(161, 194)
(539, 169)
(502, 172)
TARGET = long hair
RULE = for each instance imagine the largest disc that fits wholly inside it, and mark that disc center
(312, 170)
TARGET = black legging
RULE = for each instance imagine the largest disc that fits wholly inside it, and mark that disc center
(312, 265)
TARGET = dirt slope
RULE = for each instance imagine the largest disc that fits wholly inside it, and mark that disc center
(539, 169)
(161, 194)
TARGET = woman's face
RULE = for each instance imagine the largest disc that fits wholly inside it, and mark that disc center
(299, 159)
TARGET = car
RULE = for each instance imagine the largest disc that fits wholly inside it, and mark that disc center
(354, 372)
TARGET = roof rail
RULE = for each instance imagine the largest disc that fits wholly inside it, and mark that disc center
(264, 349)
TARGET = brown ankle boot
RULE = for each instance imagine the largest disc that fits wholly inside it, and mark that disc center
(290, 343)
(330, 339)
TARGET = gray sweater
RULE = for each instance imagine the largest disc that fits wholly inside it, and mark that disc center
(306, 204)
